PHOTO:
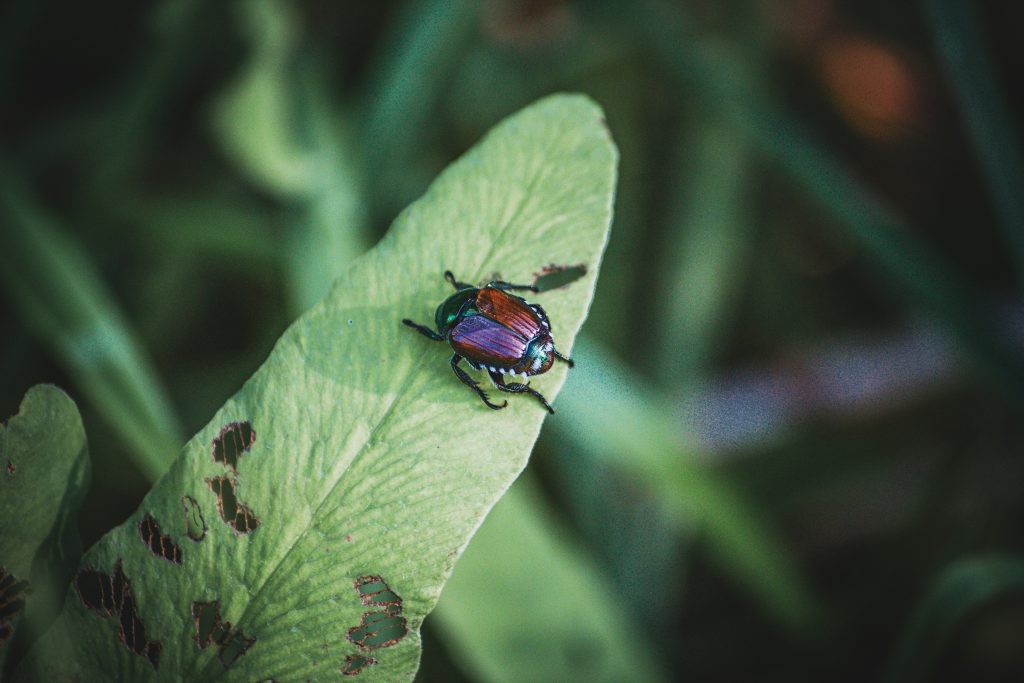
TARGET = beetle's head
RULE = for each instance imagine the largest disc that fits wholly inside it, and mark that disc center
(453, 308)
(539, 356)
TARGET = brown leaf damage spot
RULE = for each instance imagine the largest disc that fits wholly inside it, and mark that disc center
(374, 592)
(235, 440)
(354, 664)
(383, 627)
(552, 276)
(11, 468)
(236, 515)
(211, 629)
(159, 545)
(379, 629)
(195, 523)
(12, 602)
(110, 595)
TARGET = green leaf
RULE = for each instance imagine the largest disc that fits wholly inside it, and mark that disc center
(59, 293)
(526, 605)
(370, 459)
(602, 401)
(962, 589)
(44, 472)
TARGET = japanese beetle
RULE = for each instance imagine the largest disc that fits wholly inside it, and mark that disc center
(497, 332)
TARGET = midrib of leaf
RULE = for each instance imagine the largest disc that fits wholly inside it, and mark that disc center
(213, 670)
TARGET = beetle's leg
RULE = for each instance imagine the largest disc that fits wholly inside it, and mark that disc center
(468, 381)
(423, 329)
(501, 284)
(515, 388)
(455, 283)
(560, 357)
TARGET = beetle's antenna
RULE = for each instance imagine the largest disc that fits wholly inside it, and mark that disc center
(455, 283)
(501, 284)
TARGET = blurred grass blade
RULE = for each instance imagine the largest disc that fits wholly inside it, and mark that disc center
(129, 131)
(194, 235)
(611, 416)
(43, 451)
(628, 255)
(415, 61)
(255, 118)
(60, 295)
(627, 533)
(963, 47)
(959, 591)
(280, 125)
(913, 269)
(553, 618)
(222, 228)
(707, 249)
(332, 229)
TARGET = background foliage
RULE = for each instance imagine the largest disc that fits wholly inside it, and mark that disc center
(810, 301)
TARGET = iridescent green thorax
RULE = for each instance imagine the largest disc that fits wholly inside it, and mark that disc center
(539, 355)
(451, 309)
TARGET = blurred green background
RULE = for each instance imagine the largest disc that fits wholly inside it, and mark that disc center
(809, 315)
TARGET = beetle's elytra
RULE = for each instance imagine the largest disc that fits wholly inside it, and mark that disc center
(497, 332)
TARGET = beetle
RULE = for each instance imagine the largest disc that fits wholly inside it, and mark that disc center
(497, 332)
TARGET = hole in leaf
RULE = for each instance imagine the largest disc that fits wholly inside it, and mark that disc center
(553, 277)
(379, 629)
(236, 515)
(12, 602)
(236, 646)
(195, 524)
(110, 595)
(354, 664)
(382, 628)
(206, 616)
(159, 545)
(210, 629)
(234, 440)
(374, 592)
